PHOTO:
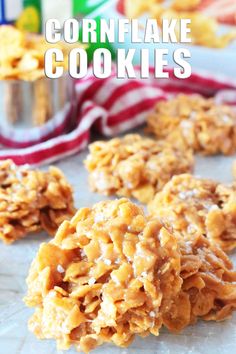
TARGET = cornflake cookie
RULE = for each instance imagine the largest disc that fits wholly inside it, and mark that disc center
(193, 206)
(196, 122)
(112, 273)
(107, 276)
(32, 201)
(134, 166)
(209, 285)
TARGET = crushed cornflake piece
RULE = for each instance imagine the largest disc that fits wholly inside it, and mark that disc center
(135, 166)
(211, 211)
(212, 131)
(32, 200)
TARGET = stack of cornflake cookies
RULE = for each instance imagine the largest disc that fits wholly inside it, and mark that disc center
(113, 271)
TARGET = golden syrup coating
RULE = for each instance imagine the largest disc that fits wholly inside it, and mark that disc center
(195, 122)
(108, 275)
(193, 206)
(32, 200)
(134, 166)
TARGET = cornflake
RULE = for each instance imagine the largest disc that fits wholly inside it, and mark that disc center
(209, 211)
(32, 200)
(134, 166)
(120, 303)
(195, 122)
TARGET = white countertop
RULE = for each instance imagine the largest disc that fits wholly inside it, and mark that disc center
(210, 338)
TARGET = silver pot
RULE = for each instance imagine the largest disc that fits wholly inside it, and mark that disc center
(26, 106)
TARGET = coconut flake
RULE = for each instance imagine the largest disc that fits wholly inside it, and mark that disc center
(91, 281)
(144, 274)
(107, 262)
(60, 269)
(152, 314)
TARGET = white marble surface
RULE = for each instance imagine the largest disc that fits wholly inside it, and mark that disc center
(210, 338)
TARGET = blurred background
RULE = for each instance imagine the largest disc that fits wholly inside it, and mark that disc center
(213, 22)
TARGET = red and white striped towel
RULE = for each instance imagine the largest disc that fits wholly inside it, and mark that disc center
(113, 106)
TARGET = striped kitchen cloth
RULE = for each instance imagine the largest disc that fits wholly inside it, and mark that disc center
(112, 106)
